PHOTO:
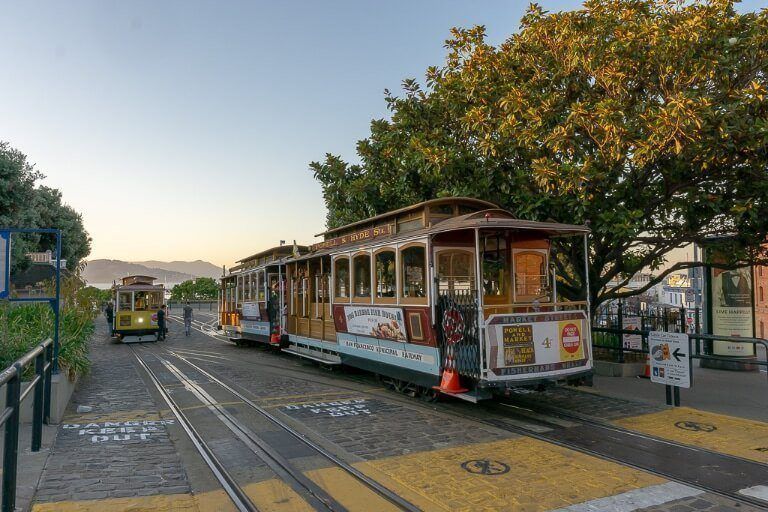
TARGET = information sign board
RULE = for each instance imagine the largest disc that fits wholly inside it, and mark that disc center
(633, 341)
(251, 311)
(5, 263)
(670, 363)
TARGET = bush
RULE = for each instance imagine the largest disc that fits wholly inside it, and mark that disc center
(24, 325)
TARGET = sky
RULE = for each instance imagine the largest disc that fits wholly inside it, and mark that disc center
(183, 130)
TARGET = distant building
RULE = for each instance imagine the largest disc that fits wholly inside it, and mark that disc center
(45, 258)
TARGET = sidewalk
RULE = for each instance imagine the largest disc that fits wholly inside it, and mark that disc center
(740, 394)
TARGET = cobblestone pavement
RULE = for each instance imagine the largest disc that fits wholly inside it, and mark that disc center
(128, 453)
(583, 401)
(119, 449)
(420, 452)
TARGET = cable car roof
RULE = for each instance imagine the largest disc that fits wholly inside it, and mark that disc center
(459, 200)
(493, 219)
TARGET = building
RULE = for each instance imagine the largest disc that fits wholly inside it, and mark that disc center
(761, 301)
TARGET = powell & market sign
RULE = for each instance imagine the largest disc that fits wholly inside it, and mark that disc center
(358, 236)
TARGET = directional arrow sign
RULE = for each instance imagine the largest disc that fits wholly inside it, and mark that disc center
(670, 364)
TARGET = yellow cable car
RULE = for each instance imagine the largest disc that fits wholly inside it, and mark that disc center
(137, 300)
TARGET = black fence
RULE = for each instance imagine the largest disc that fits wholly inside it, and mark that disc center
(617, 329)
(204, 305)
(613, 336)
(40, 385)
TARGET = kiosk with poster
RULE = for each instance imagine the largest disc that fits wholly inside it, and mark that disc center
(731, 311)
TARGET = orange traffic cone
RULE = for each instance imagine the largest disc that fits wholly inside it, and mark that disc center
(450, 383)
(647, 370)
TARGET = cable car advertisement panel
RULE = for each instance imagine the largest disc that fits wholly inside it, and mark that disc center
(548, 343)
(376, 321)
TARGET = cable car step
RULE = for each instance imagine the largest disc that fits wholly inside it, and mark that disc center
(331, 362)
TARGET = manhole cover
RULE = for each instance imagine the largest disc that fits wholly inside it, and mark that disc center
(485, 467)
(695, 426)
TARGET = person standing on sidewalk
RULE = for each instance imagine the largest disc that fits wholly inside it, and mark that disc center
(187, 318)
(109, 312)
(161, 323)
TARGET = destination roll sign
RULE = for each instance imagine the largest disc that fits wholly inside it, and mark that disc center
(358, 236)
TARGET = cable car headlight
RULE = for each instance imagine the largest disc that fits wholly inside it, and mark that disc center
(140, 320)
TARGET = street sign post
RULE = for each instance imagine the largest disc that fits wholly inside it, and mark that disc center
(670, 360)
(5, 263)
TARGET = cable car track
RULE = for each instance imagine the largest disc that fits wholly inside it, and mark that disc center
(228, 483)
(310, 491)
(552, 422)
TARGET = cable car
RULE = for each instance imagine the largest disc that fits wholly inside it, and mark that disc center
(137, 300)
(251, 294)
(452, 295)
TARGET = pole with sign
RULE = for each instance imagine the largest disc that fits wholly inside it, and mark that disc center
(5, 263)
(670, 361)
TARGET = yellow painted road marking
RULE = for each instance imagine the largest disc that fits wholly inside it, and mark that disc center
(514, 474)
(115, 416)
(214, 500)
(276, 496)
(349, 491)
(319, 395)
(268, 496)
(733, 436)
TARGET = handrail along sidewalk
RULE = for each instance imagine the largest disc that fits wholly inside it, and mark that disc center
(40, 385)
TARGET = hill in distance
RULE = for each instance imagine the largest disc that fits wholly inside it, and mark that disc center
(197, 268)
(104, 271)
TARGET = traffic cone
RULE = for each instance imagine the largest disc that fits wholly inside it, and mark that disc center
(450, 382)
(647, 370)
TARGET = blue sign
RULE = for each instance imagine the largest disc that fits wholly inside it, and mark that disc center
(5, 263)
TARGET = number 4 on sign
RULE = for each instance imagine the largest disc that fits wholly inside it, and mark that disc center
(547, 343)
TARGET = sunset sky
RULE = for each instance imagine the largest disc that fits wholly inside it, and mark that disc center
(184, 130)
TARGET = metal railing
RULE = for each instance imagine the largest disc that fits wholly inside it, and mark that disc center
(695, 349)
(10, 417)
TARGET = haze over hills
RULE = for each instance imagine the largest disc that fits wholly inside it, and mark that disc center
(197, 268)
(101, 272)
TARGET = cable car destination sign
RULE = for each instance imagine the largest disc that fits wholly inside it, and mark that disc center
(357, 236)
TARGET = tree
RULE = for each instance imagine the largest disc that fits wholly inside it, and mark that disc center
(202, 288)
(25, 205)
(646, 118)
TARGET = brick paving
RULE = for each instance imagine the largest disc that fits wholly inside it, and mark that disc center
(121, 447)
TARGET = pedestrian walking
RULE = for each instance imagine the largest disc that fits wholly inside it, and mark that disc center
(187, 318)
(161, 330)
(109, 312)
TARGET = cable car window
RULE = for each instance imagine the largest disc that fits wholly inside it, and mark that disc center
(260, 286)
(124, 301)
(495, 265)
(154, 299)
(341, 276)
(455, 271)
(139, 301)
(386, 280)
(414, 270)
(362, 269)
(442, 209)
(530, 274)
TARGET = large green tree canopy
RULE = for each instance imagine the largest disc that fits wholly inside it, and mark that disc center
(23, 204)
(646, 118)
(201, 288)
